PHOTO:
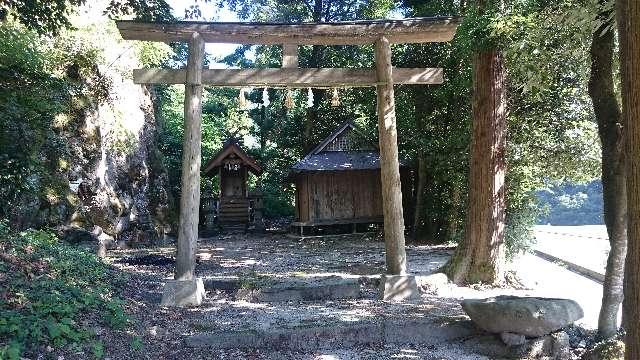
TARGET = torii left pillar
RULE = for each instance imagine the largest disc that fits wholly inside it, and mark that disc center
(396, 284)
(186, 289)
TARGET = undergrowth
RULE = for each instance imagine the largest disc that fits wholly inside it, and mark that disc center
(51, 294)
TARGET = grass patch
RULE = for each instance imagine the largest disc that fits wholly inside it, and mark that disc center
(51, 293)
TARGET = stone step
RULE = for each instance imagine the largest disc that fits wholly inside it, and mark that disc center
(342, 334)
(318, 288)
(235, 207)
(233, 219)
(234, 202)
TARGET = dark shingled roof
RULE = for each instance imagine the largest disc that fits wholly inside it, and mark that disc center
(340, 160)
(320, 160)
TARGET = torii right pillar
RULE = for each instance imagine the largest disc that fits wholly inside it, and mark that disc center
(396, 284)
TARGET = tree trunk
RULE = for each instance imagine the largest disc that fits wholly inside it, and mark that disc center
(421, 186)
(628, 15)
(607, 111)
(422, 107)
(480, 256)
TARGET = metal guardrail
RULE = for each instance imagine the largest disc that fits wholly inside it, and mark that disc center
(572, 235)
(580, 270)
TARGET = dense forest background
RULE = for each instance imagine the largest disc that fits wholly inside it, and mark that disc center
(96, 153)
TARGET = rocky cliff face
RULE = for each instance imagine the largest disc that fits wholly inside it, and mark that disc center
(117, 184)
(124, 191)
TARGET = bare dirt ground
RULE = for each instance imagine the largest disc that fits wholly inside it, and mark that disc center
(247, 260)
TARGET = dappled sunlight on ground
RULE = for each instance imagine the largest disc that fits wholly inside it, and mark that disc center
(247, 263)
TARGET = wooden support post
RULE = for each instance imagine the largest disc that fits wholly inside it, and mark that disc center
(396, 257)
(190, 196)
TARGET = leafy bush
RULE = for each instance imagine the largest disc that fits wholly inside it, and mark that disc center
(51, 292)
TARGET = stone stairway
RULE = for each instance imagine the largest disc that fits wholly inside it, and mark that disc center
(233, 212)
(309, 313)
(340, 334)
(312, 314)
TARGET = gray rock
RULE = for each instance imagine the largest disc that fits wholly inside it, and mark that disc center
(431, 283)
(512, 339)
(157, 331)
(529, 316)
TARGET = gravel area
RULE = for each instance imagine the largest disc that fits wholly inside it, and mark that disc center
(275, 258)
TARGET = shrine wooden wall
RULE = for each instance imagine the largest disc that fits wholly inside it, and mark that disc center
(339, 196)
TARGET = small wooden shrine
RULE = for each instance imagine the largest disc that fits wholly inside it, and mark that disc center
(379, 33)
(236, 205)
(338, 183)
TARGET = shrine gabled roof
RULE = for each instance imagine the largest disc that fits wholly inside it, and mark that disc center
(346, 126)
(231, 147)
(321, 159)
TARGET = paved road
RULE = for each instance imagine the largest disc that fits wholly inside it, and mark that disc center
(586, 246)
(550, 280)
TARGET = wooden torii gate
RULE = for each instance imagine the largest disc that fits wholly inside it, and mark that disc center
(188, 290)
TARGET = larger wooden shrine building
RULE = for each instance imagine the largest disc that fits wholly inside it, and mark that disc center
(236, 205)
(338, 183)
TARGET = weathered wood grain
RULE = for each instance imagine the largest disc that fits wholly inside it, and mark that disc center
(415, 30)
(396, 258)
(290, 77)
(191, 159)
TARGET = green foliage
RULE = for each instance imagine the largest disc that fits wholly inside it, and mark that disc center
(153, 54)
(98, 349)
(46, 88)
(136, 344)
(551, 133)
(30, 98)
(43, 16)
(121, 140)
(50, 289)
(49, 17)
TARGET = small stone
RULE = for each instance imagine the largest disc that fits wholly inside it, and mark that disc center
(49, 348)
(431, 283)
(512, 339)
(98, 330)
(560, 347)
(157, 331)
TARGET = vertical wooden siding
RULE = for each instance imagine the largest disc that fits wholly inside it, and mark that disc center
(339, 195)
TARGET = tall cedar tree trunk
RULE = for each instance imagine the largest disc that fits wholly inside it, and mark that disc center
(480, 256)
(628, 15)
(607, 111)
(419, 220)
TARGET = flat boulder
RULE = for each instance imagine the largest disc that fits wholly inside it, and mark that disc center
(528, 316)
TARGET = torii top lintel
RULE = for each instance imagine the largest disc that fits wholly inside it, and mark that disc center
(411, 30)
